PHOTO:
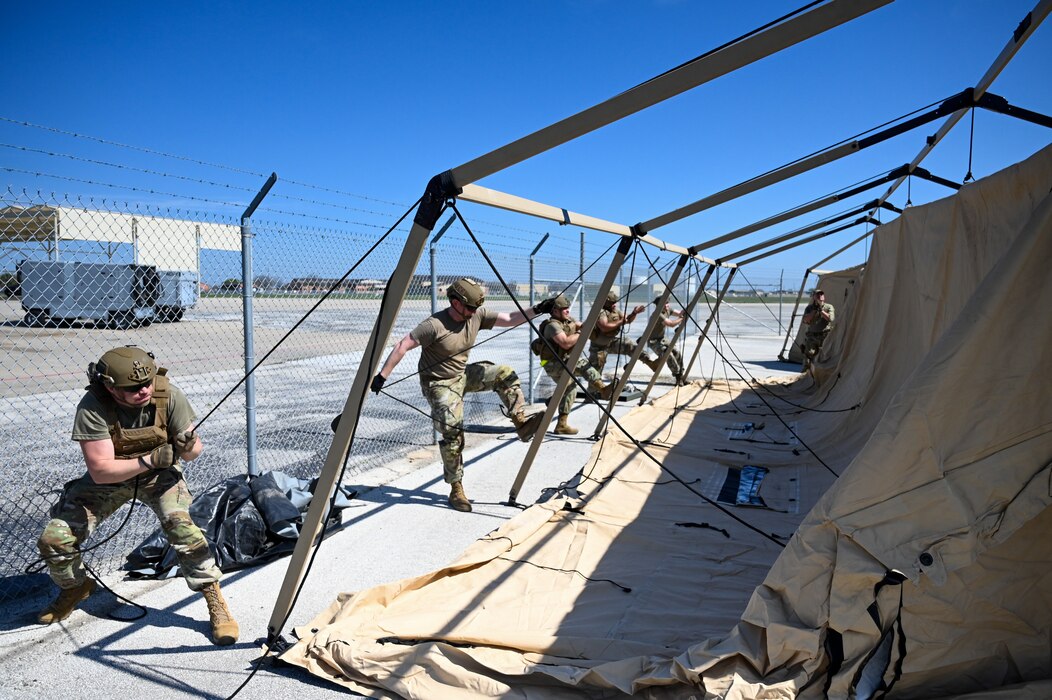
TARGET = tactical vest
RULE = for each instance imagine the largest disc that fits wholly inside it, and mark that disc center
(138, 442)
(820, 326)
(568, 327)
(600, 339)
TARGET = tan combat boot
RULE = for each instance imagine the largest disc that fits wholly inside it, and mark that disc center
(563, 427)
(603, 390)
(458, 500)
(68, 599)
(224, 626)
(526, 426)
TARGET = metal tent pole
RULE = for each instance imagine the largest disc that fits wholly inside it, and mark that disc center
(708, 322)
(651, 323)
(783, 356)
(438, 190)
(533, 301)
(571, 363)
(667, 85)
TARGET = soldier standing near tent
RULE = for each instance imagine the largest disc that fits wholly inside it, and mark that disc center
(446, 339)
(562, 333)
(818, 316)
(607, 336)
(133, 427)
(658, 342)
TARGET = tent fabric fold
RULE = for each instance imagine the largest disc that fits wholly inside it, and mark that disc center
(945, 475)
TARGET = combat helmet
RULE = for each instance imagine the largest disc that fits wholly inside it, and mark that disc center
(123, 367)
(612, 297)
(561, 302)
(467, 291)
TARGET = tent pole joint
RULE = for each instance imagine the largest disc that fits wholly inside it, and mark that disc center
(440, 189)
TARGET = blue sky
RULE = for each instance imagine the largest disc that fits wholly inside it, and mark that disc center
(372, 99)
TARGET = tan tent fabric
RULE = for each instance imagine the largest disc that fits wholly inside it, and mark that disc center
(841, 288)
(943, 442)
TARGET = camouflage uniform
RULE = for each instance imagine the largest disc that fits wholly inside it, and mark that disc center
(817, 331)
(446, 398)
(555, 369)
(602, 344)
(445, 377)
(658, 343)
(84, 504)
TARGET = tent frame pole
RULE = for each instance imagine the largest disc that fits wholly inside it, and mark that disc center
(571, 363)
(317, 513)
(708, 322)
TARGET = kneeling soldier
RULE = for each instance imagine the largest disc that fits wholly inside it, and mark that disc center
(133, 427)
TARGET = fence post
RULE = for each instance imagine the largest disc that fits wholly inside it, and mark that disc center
(197, 258)
(708, 322)
(246, 296)
(434, 289)
(781, 275)
(783, 355)
(135, 240)
(533, 260)
(580, 313)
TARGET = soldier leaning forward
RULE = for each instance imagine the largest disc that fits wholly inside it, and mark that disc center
(608, 336)
(562, 332)
(446, 339)
(658, 342)
(133, 427)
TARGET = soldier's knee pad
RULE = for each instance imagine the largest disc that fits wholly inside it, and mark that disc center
(452, 441)
(506, 377)
(57, 535)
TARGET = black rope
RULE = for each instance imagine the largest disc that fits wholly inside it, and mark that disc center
(608, 413)
(591, 579)
(971, 143)
(311, 310)
(38, 565)
(769, 407)
(753, 287)
(497, 334)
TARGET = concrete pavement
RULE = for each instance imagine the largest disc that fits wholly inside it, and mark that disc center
(399, 526)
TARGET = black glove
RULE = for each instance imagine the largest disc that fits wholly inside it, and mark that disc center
(336, 422)
(545, 306)
(162, 457)
(378, 383)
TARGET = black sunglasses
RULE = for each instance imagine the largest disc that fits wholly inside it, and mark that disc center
(136, 388)
(469, 307)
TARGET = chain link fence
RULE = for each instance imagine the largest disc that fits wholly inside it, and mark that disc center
(82, 276)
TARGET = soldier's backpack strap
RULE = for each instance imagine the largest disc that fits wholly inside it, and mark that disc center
(537, 346)
(162, 393)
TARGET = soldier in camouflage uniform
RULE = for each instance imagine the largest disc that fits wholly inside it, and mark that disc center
(818, 317)
(562, 333)
(133, 427)
(658, 343)
(607, 336)
(446, 339)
